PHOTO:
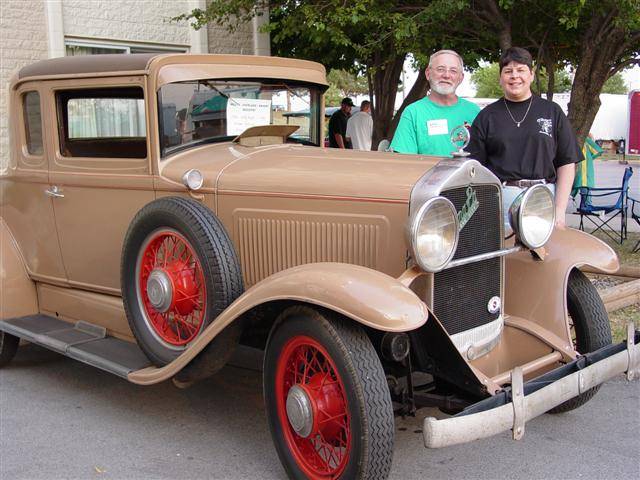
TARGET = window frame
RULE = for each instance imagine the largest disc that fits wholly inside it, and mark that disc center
(61, 99)
(124, 47)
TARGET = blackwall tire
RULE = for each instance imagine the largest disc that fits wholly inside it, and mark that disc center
(591, 327)
(340, 375)
(8, 348)
(179, 271)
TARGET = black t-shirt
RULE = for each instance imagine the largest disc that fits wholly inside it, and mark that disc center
(542, 143)
(338, 124)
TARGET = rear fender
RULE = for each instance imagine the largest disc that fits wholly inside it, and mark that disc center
(367, 296)
(535, 289)
(18, 295)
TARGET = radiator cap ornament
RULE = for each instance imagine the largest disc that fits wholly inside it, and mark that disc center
(494, 305)
(460, 137)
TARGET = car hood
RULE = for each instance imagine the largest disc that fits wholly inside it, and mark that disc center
(301, 170)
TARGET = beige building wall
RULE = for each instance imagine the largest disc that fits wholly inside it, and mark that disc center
(32, 30)
(127, 20)
(23, 40)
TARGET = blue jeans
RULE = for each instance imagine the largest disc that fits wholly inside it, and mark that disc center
(509, 194)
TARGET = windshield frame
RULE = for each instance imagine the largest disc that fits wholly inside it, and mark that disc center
(315, 116)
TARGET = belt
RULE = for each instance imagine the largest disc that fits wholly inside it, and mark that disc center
(523, 183)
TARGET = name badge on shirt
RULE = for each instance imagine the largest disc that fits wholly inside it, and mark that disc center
(437, 127)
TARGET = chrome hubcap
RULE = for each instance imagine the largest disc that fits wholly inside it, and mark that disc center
(299, 411)
(160, 290)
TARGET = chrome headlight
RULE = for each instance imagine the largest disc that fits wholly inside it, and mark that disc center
(532, 216)
(434, 234)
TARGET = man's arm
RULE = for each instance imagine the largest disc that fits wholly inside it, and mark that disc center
(564, 182)
(339, 140)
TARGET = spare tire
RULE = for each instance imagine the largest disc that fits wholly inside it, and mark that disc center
(179, 271)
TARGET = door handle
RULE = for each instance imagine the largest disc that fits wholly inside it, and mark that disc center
(54, 192)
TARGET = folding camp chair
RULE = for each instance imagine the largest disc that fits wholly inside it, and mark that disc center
(635, 215)
(598, 214)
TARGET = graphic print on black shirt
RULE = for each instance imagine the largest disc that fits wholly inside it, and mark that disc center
(542, 143)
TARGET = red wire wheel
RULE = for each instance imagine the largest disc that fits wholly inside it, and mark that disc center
(179, 271)
(324, 452)
(327, 399)
(178, 313)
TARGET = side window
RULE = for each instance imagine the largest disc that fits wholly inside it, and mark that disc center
(102, 123)
(32, 122)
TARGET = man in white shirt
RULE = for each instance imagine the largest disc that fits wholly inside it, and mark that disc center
(360, 127)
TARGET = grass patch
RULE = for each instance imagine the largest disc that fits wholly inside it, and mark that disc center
(624, 251)
(620, 319)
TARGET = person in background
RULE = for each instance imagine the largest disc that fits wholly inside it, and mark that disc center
(360, 127)
(524, 139)
(425, 125)
(338, 125)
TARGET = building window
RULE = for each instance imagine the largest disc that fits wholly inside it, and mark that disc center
(33, 123)
(82, 47)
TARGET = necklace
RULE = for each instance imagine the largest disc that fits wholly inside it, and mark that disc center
(525, 113)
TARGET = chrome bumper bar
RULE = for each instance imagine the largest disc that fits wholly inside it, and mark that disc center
(523, 402)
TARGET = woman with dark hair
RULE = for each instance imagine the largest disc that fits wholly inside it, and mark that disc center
(524, 139)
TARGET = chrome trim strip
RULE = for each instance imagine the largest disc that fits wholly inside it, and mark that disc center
(483, 256)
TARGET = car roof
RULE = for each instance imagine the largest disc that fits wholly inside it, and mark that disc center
(82, 64)
(151, 63)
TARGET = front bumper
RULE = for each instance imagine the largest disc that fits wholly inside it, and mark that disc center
(515, 405)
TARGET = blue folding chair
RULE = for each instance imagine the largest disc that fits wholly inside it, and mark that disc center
(598, 213)
(635, 215)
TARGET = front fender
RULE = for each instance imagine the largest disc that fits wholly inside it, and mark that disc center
(536, 289)
(18, 295)
(362, 294)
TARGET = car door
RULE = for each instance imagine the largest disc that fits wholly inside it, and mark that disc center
(26, 204)
(101, 173)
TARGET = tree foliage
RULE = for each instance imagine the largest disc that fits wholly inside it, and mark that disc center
(486, 81)
(598, 37)
(616, 85)
(344, 84)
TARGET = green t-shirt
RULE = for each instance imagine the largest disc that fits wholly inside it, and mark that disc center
(424, 126)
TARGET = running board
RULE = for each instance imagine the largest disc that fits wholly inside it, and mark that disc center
(81, 341)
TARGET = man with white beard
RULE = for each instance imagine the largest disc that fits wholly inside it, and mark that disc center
(425, 125)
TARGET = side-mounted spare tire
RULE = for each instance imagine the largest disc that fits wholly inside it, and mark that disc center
(179, 271)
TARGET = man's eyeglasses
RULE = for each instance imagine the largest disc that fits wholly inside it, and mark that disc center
(443, 70)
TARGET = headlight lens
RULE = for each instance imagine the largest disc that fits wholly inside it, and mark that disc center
(532, 216)
(434, 234)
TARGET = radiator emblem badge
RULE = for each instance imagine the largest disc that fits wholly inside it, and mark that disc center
(494, 305)
(468, 209)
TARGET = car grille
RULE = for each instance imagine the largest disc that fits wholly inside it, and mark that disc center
(461, 294)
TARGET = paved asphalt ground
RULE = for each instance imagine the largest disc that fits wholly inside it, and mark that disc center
(60, 419)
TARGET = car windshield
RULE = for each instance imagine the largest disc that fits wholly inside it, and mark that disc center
(203, 111)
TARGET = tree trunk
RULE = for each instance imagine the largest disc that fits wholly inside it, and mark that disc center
(384, 82)
(551, 75)
(418, 91)
(595, 66)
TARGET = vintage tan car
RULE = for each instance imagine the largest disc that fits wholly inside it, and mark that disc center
(159, 210)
